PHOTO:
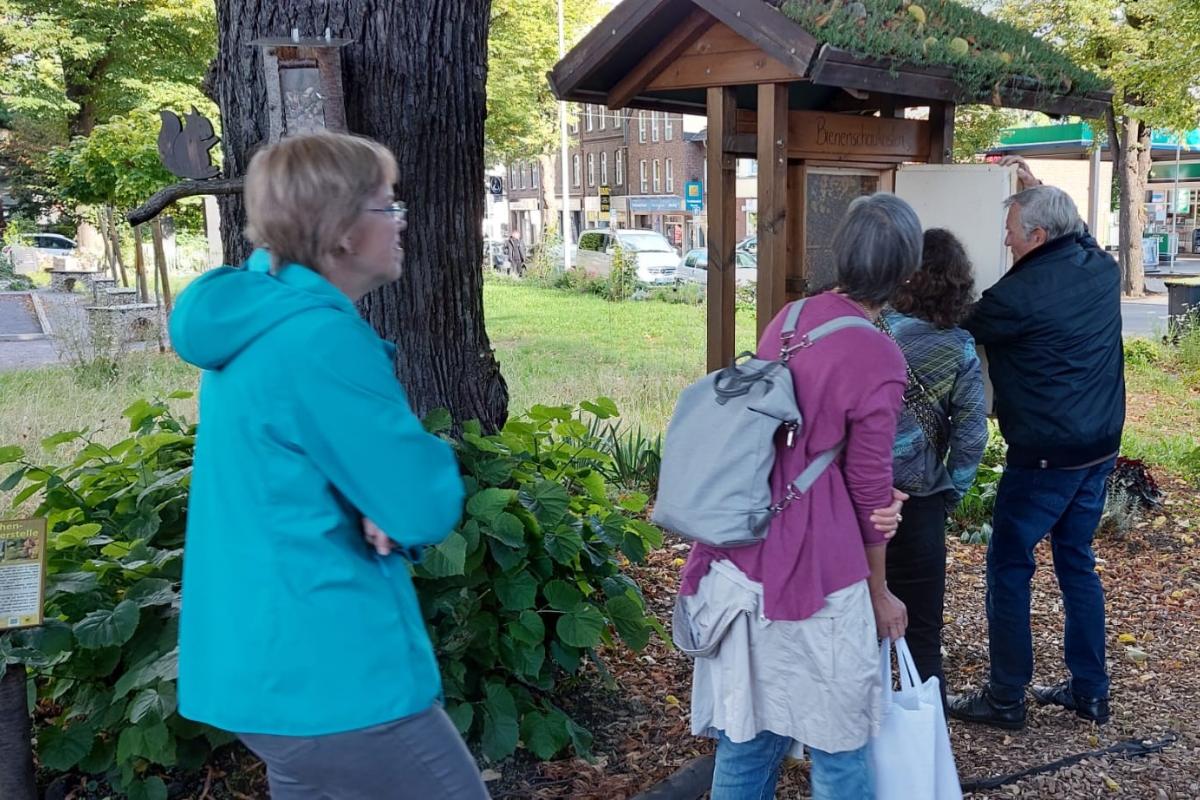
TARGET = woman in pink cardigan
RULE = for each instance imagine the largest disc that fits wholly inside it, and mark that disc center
(798, 666)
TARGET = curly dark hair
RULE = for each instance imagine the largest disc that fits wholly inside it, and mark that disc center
(942, 290)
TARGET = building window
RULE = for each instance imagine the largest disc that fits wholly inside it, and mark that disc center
(591, 169)
(654, 126)
(644, 186)
(670, 178)
(575, 168)
(604, 169)
(657, 176)
(616, 120)
(573, 118)
(603, 117)
(642, 127)
(668, 127)
(512, 177)
(534, 172)
(619, 156)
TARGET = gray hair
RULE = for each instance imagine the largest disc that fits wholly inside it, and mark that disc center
(1048, 208)
(877, 247)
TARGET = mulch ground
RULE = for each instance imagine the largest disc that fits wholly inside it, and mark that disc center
(1152, 580)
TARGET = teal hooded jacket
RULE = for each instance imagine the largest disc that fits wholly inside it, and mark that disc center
(290, 623)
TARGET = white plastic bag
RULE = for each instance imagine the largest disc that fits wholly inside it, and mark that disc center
(911, 754)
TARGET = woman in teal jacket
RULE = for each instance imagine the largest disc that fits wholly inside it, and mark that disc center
(314, 487)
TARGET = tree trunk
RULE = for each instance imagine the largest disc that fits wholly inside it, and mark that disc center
(115, 236)
(1133, 173)
(102, 225)
(160, 265)
(139, 266)
(414, 79)
(16, 745)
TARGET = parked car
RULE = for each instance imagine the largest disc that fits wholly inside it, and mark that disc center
(35, 251)
(749, 245)
(656, 259)
(694, 268)
(554, 256)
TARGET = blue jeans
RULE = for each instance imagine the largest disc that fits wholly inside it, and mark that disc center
(1067, 506)
(750, 770)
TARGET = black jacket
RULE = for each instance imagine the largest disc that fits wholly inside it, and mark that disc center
(1051, 329)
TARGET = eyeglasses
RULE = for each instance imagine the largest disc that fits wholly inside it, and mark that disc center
(397, 210)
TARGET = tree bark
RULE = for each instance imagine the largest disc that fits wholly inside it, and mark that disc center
(102, 225)
(160, 266)
(1133, 173)
(16, 745)
(115, 236)
(414, 79)
(139, 266)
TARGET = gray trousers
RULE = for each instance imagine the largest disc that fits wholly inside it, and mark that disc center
(421, 757)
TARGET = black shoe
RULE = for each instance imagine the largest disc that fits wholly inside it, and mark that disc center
(1093, 709)
(980, 706)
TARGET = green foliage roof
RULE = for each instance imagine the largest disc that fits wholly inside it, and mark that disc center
(987, 55)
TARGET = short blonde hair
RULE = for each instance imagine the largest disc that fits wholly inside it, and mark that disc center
(303, 193)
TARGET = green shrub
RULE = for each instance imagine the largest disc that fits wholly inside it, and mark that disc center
(623, 278)
(746, 297)
(692, 294)
(635, 457)
(532, 582)
(1141, 352)
(973, 517)
(521, 594)
(105, 662)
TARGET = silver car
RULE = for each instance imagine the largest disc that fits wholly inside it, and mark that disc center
(694, 268)
(38, 250)
(657, 261)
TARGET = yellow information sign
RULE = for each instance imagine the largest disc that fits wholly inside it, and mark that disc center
(22, 572)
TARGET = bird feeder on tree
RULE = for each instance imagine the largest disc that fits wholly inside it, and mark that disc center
(304, 84)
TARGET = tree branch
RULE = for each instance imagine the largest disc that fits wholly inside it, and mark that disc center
(1115, 145)
(165, 197)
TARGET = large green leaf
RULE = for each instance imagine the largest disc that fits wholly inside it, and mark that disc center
(487, 503)
(581, 626)
(548, 501)
(155, 667)
(152, 592)
(506, 557)
(446, 559)
(545, 734)
(507, 528)
(629, 619)
(564, 543)
(108, 627)
(601, 408)
(438, 421)
(500, 727)
(568, 658)
(528, 628)
(153, 704)
(561, 595)
(462, 715)
(12, 480)
(151, 788)
(516, 592)
(11, 453)
(149, 740)
(60, 749)
(101, 758)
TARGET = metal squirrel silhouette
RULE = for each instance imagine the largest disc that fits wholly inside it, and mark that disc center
(184, 148)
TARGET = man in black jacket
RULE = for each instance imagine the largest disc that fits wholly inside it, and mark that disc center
(1051, 329)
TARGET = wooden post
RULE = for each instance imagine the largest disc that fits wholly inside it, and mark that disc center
(941, 133)
(797, 268)
(772, 200)
(160, 264)
(722, 225)
(139, 266)
(115, 236)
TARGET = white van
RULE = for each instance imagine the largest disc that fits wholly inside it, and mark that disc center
(657, 261)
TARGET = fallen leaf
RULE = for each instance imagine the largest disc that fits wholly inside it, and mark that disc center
(1127, 638)
(1160, 521)
(1136, 655)
(672, 700)
(1112, 785)
(490, 775)
(679, 562)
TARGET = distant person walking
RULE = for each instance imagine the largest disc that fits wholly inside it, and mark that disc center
(514, 250)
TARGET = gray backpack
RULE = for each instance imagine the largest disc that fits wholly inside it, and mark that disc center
(714, 486)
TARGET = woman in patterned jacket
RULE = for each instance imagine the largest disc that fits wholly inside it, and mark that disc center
(941, 436)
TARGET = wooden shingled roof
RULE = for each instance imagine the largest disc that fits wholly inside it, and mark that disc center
(664, 54)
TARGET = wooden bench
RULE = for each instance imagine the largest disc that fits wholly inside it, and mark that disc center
(129, 321)
(65, 280)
